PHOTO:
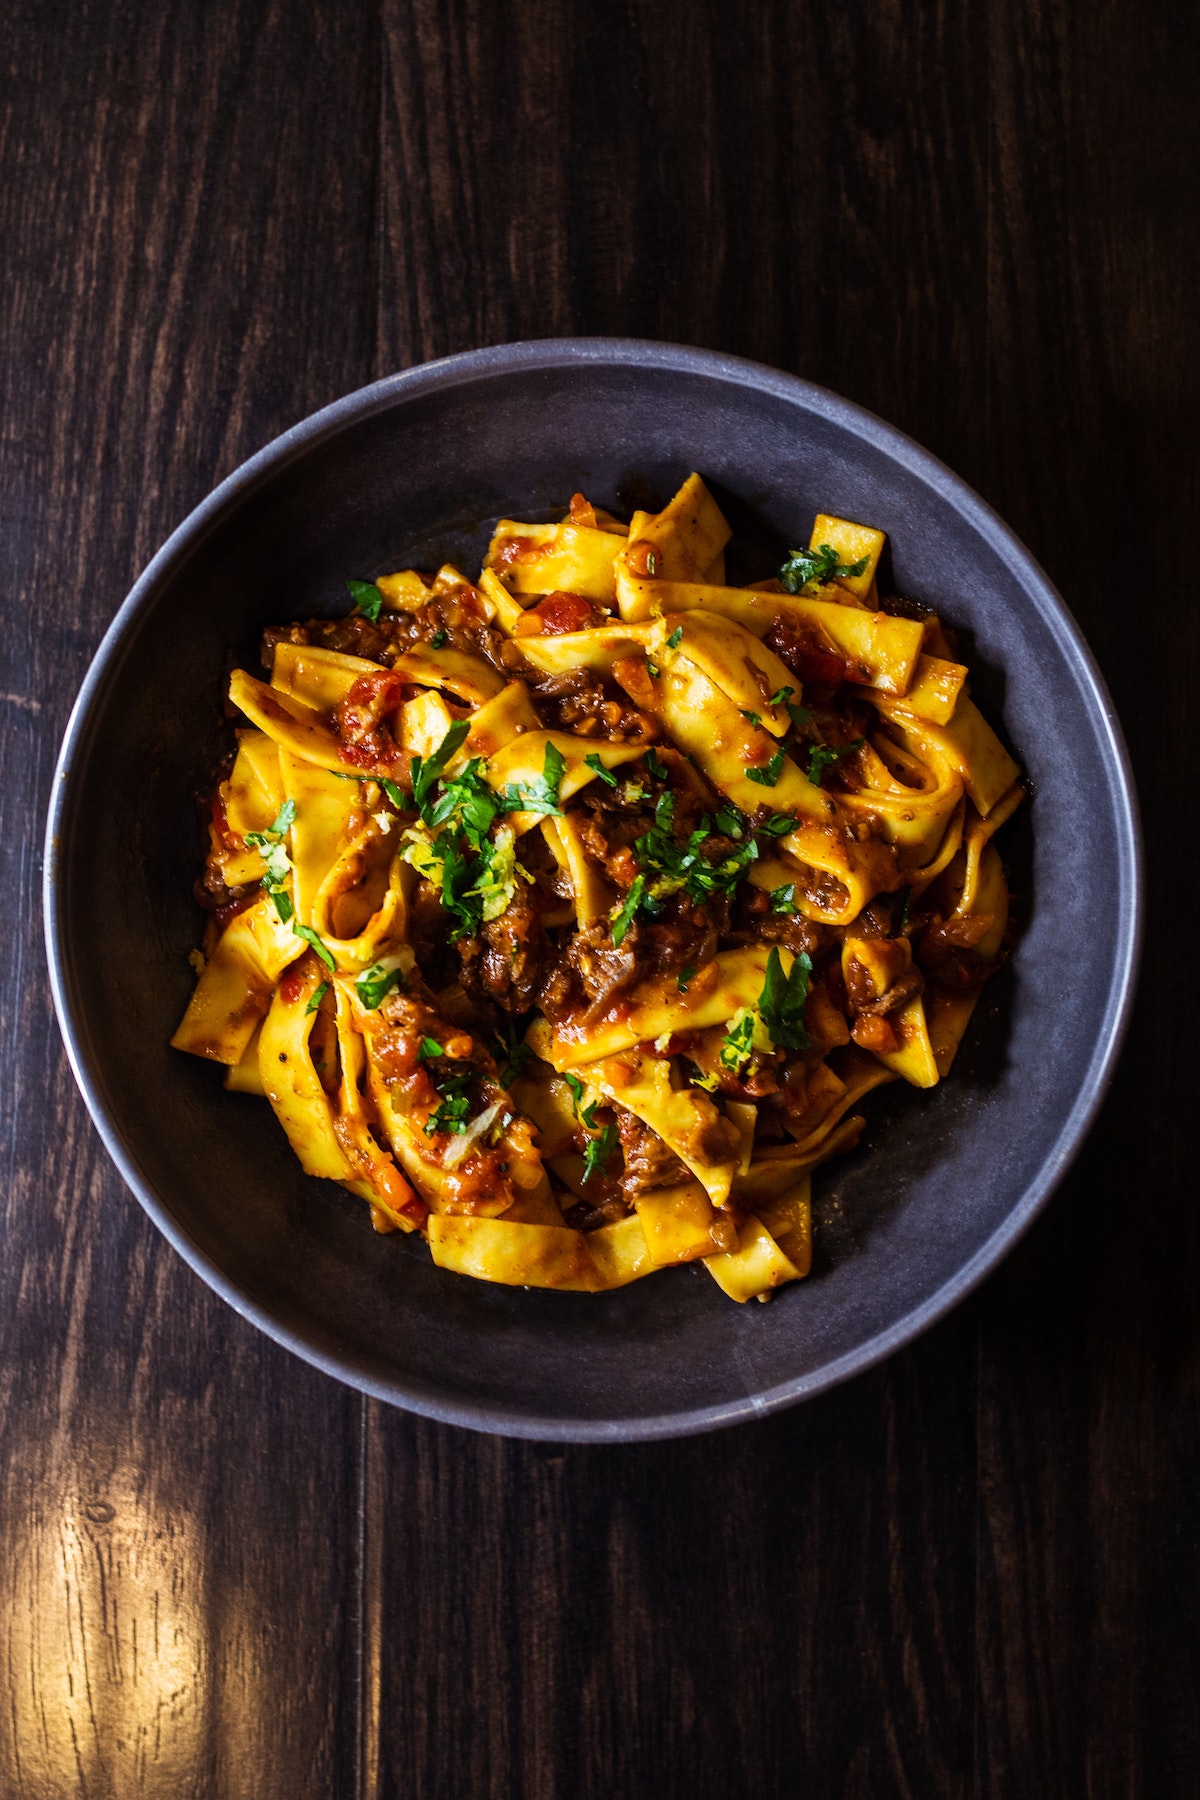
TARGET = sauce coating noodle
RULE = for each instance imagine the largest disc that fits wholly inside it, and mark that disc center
(567, 915)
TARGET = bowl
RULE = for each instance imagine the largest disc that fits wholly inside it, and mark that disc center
(414, 469)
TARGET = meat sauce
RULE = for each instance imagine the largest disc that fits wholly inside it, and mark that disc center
(580, 976)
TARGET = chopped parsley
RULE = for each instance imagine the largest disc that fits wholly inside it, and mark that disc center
(652, 669)
(822, 756)
(427, 1048)
(427, 771)
(783, 899)
(316, 998)
(322, 949)
(781, 1003)
(270, 846)
(576, 1087)
(394, 794)
(453, 1110)
(738, 1043)
(367, 598)
(597, 1152)
(753, 717)
(475, 873)
(799, 715)
(684, 977)
(806, 569)
(376, 983)
(655, 767)
(667, 867)
(440, 638)
(623, 916)
(676, 638)
(541, 794)
(593, 762)
(515, 1050)
(769, 773)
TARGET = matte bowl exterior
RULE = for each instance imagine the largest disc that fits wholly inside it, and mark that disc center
(416, 469)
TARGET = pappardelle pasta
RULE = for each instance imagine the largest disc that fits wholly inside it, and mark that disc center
(567, 915)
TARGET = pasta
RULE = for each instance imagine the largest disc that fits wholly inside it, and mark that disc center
(567, 915)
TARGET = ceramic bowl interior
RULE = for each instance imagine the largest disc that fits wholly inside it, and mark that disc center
(415, 470)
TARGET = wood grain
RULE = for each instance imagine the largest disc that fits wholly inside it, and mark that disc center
(190, 228)
(972, 1572)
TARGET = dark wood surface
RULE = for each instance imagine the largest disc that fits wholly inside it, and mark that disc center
(971, 1572)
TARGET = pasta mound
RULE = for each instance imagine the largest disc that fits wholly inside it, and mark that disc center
(566, 916)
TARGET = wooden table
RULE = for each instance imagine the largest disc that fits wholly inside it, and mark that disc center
(970, 1572)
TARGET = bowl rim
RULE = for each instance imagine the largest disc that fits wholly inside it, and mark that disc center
(531, 356)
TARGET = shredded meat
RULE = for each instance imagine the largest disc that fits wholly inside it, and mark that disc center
(456, 613)
(504, 963)
(649, 1163)
(603, 967)
(580, 701)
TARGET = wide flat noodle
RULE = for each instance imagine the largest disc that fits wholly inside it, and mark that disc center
(516, 1255)
(293, 725)
(290, 1079)
(656, 1008)
(235, 989)
(682, 1225)
(547, 559)
(684, 1118)
(757, 1266)
(876, 650)
(320, 678)
(681, 541)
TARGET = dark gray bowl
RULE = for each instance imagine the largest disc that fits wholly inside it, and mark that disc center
(415, 469)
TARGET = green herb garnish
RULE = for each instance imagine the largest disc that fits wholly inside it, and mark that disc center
(593, 762)
(655, 767)
(440, 638)
(781, 1003)
(684, 977)
(394, 794)
(316, 998)
(310, 937)
(769, 773)
(597, 1152)
(367, 597)
(376, 983)
(427, 770)
(754, 718)
(799, 715)
(783, 899)
(676, 638)
(623, 916)
(516, 1051)
(738, 1042)
(576, 1087)
(541, 794)
(454, 1106)
(822, 756)
(815, 568)
(270, 846)
(427, 1048)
